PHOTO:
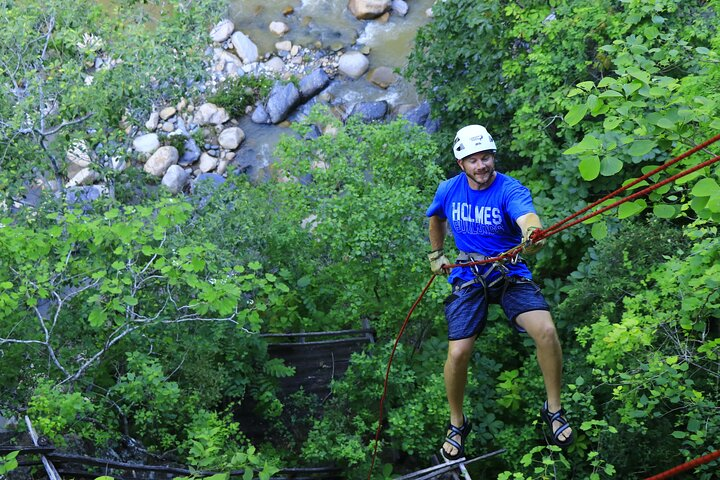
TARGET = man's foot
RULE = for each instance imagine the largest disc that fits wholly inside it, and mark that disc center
(561, 431)
(454, 446)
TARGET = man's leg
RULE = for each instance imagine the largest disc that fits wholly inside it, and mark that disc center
(456, 367)
(539, 325)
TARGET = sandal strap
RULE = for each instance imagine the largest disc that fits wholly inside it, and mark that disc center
(454, 444)
(455, 430)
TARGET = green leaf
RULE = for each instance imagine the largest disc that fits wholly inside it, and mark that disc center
(587, 143)
(590, 167)
(97, 317)
(641, 147)
(628, 209)
(641, 75)
(610, 93)
(705, 187)
(610, 166)
(664, 211)
(703, 50)
(599, 230)
(665, 123)
(575, 114)
(611, 122)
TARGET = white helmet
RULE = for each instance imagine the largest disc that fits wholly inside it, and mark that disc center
(472, 139)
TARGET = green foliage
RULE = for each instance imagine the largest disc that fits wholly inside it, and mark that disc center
(8, 462)
(56, 412)
(237, 93)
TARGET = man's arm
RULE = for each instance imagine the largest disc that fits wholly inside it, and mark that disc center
(438, 230)
(528, 223)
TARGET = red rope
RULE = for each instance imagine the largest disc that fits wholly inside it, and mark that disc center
(541, 234)
(686, 466)
(555, 228)
(387, 371)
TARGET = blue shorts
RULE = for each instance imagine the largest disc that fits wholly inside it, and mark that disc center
(466, 310)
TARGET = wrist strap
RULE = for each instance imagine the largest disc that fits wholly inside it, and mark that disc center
(435, 254)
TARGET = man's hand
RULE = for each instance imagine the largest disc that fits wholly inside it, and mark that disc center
(437, 260)
(532, 247)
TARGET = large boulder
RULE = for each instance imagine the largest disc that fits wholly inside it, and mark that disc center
(282, 100)
(370, 111)
(353, 64)
(368, 9)
(161, 160)
(210, 114)
(222, 30)
(244, 47)
(175, 178)
(231, 138)
(146, 143)
(383, 77)
(313, 83)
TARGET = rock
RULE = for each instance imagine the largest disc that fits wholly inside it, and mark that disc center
(353, 64)
(260, 115)
(153, 121)
(181, 104)
(86, 176)
(222, 167)
(147, 143)
(368, 9)
(209, 113)
(419, 114)
(191, 153)
(244, 47)
(231, 138)
(384, 18)
(288, 10)
(78, 158)
(210, 179)
(168, 127)
(84, 195)
(226, 60)
(175, 178)
(167, 112)
(370, 111)
(283, 46)
(275, 64)
(295, 50)
(161, 160)
(208, 163)
(314, 83)
(429, 13)
(383, 77)
(279, 28)
(283, 98)
(222, 30)
(400, 7)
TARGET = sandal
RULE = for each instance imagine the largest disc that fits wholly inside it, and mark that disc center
(559, 416)
(463, 431)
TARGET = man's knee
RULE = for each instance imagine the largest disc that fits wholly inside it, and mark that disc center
(540, 327)
(459, 354)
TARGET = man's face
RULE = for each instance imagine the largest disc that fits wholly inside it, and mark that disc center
(479, 169)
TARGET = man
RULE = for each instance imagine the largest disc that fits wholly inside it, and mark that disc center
(489, 213)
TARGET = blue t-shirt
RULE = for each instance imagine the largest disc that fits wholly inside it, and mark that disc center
(483, 221)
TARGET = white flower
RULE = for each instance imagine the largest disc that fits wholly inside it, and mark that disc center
(88, 79)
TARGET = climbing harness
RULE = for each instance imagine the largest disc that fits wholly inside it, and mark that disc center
(540, 234)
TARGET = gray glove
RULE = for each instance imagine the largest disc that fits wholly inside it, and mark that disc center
(437, 260)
